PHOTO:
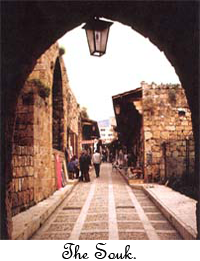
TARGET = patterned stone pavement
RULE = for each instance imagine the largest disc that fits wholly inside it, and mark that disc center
(106, 209)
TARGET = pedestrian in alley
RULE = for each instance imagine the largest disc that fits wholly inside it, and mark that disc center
(96, 159)
(76, 163)
(85, 162)
(71, 168)
(121, 158)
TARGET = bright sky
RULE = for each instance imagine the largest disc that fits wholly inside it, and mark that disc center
(130, 58)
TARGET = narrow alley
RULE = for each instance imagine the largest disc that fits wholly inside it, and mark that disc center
(106, 209)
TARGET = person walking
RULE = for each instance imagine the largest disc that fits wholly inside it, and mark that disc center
(85, 163)
(81, 164)
(96, 159)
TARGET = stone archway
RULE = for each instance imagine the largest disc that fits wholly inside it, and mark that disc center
(30, 28)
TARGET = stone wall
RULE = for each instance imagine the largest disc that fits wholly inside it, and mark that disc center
(40, 128)
(167, 124)
(73, 122)
(23, 178)
(73, 112)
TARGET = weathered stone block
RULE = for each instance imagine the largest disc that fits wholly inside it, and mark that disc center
(148, 135)
(164, 135)
(20, 198)
(14, 199)
(31, 194)
(157, 154)
(175, 154)
(156, 134)
(170, 128)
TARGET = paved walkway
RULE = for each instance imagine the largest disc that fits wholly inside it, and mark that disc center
(106, 208)
(178, 208)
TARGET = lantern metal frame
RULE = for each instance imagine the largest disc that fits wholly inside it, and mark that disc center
(97, 29)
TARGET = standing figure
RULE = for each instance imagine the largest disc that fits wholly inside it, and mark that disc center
(96, 159)
(85, 163)
(121, 157)
(71, 168)
(76, 163)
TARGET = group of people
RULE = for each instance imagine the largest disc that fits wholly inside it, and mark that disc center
(79, 169)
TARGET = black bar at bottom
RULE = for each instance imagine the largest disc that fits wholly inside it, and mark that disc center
(98, 250)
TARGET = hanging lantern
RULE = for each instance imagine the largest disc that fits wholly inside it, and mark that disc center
(97, 35)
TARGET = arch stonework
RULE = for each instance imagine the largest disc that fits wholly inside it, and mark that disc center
(31, 28)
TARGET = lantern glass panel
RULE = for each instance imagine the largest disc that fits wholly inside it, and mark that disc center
(104, 39)
(90, 38)
(100, 38)
(97, 37)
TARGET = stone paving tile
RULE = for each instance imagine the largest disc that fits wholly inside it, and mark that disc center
(95, 226)
(128, 217)
(61, 227)
(147, 204)
(95, 217)
(143, 199)
(169, 236)
(68, 218)
(138, 192)
(100, 197)
(98, 206)
(98, 209)
(120, 189)
(162, 226)
(128, 207)
(130, 225)
(69, 207)
(70, 212)
(94, 236)
(129, 213)
(133, 236)
(150, 209)
(141, 196)
(99, 202)
(155, 216)
(124, 202)
(52, 236)
(75, 202)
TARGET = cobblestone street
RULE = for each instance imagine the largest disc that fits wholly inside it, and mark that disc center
(106, 209)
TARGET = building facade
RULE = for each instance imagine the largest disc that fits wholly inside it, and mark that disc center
(154, 124)
(106, 128)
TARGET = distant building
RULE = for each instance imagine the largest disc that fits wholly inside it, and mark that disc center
(90, 133)
(107, 130)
